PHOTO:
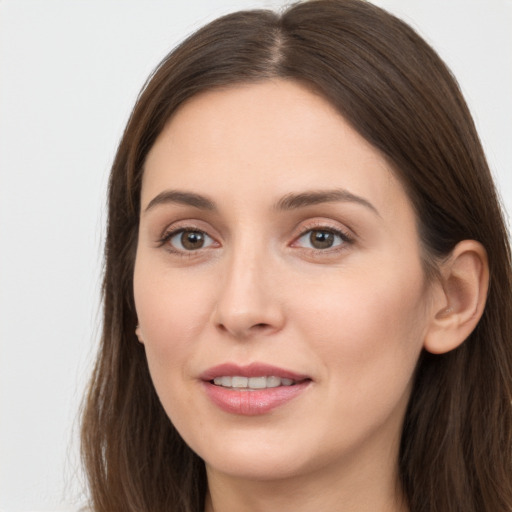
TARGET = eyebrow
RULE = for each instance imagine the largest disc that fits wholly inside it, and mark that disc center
(295, 201)
(288, 202)
(181, 197)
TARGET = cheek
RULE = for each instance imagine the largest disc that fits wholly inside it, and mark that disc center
(172, 312)
(170, 303)
(366, 334)
(369, 327)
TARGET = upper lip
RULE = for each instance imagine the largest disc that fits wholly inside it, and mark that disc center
(251, 370)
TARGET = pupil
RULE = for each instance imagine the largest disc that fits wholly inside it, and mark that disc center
(321, 239)
(192, 239)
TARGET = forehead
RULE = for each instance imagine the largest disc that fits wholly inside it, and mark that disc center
(273, 137)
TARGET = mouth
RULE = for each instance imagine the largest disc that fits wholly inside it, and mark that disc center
(253, 376)
(239, 382)
(254, 389)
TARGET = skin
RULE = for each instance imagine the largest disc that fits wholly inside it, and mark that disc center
(353, 317)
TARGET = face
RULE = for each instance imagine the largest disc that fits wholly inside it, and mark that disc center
(278, 284)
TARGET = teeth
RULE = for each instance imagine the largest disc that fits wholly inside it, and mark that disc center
(225, 381)
(273, 382)
(239, 382)
(252, 383)
(257, 383)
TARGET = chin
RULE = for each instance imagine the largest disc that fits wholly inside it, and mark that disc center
(263, 457)
(257, 465)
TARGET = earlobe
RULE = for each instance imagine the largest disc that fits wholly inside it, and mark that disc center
(458, 309)
(139, 334)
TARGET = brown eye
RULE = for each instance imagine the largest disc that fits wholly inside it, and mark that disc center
(322, 239)
(190, 240)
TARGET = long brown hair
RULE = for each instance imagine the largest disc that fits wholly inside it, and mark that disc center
(396, 92)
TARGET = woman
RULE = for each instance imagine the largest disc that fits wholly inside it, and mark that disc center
(307, 290)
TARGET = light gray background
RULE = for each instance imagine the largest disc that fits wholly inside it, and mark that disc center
(69, 75)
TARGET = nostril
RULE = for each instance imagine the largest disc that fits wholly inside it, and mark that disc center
(260, 327)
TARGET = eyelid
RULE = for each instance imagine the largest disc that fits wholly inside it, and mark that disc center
(180, 232)
(347, 235)
(341, 239)
(324, 224)
(344, 233)
(178, 227)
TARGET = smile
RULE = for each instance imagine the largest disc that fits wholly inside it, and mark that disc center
(239, 382)
(254, 389)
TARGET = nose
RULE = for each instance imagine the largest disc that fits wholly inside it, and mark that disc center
(249, 303)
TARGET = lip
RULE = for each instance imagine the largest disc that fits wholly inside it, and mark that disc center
(252, 402)
(251, 370)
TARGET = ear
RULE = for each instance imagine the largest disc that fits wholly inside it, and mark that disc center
(461, 301)
(138, 333)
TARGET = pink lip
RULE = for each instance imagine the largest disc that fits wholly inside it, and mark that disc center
(251, 370)
(252, 403)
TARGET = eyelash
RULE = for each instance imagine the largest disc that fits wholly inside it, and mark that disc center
(169, 235)
(344, 237)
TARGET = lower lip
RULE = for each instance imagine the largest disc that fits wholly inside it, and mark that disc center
(251, 403)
